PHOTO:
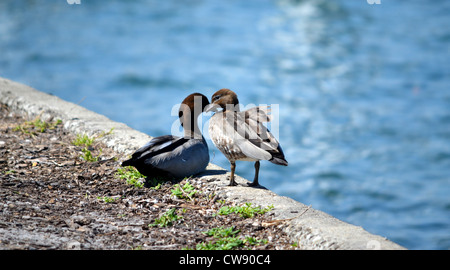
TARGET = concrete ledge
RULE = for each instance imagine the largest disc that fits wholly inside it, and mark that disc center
(312, 229)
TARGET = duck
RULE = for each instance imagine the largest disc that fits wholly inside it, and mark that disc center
(242, 135)
(173, 156)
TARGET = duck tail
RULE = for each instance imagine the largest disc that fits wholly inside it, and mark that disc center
(278, 157)
(128, 162)
(279, 161)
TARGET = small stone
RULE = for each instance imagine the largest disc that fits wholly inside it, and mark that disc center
(73, 245)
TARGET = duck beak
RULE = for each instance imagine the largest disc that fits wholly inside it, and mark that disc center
(211, 107)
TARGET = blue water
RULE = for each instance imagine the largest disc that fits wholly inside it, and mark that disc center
(363, 90)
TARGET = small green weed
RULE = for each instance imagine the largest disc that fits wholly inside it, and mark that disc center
(86, 141)
(131, 175)
(247, 211)
(167, 219)
(224, 239)
(185, 192)
(227, 239)
(221, 232)
(106, 199)
(9, 172)
(87, 155)
(37, 125)
(253, 241)
(227, 243)
(83, 140)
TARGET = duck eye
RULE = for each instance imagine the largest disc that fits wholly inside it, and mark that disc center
(217, 97)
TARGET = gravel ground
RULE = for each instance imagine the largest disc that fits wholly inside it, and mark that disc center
(52, 198)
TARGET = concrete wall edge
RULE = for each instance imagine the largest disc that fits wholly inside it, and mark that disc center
(310, 228)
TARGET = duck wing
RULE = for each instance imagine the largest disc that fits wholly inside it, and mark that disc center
(263, 138)
(254, 118)
(250, 135)
(151, 151)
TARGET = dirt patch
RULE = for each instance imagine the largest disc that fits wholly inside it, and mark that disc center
(52, 198)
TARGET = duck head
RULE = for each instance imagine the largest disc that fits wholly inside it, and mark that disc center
(191, 107)
(225, 99)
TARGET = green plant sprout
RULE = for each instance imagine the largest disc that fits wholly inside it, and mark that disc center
(185, 192)
(167, 219)
(131, 176)
(37, 125)
(246, 211)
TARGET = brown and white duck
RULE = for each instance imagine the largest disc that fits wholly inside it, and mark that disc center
(241, 135)
(173, 156)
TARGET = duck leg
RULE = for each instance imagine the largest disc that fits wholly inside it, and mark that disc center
(255, 180)
(233, 167)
